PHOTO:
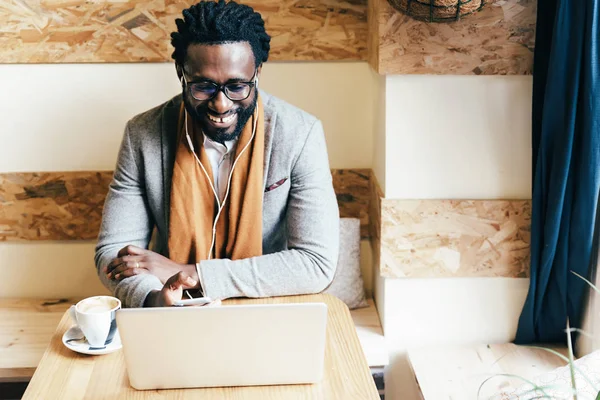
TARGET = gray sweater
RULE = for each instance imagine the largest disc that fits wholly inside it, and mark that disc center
(300, 217)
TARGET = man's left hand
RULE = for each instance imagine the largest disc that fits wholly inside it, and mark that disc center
(133, 260)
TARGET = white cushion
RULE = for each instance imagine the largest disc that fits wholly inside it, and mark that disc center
(347, 284)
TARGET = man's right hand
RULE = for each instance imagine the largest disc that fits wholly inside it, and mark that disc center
(171, 292)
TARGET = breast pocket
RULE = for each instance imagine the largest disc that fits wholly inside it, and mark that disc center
(275, 200)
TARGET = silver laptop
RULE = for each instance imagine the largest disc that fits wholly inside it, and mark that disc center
(237, 345)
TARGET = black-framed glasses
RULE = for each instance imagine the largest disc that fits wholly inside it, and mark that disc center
(235, 91)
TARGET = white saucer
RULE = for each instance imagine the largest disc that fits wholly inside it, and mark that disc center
(75, 340)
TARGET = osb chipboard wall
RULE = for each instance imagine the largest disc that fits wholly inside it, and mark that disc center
(455, 238)
(80, 31)
(52, 205)
(68, 205)
(497, 40)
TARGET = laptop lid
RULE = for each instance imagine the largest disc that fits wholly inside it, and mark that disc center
(237, 345)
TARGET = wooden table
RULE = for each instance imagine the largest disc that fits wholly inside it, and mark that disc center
(64, 374)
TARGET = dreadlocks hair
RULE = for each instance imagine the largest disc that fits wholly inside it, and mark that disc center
(210, 22)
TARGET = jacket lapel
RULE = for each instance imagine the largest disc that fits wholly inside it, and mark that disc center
(270, 118)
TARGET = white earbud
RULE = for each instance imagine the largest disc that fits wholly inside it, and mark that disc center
(190, 142)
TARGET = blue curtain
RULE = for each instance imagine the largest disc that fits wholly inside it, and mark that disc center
(566, 166)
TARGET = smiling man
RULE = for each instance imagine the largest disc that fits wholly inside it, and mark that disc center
(234, 182)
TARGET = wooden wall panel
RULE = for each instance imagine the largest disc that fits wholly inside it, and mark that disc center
(497, 40)
(80, 31)
(52, 205)
(375, 221)
(353, 191)
(68, 205)
(374, 19)
(455, 238)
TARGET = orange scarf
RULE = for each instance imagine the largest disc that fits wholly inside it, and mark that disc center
(193, 204)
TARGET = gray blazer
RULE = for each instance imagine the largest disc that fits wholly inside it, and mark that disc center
(300, 217)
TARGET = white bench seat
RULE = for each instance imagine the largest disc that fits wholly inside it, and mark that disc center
(457, 372)
(26, 327)
(370, 335)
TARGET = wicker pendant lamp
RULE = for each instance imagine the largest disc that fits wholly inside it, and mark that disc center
(437, 10)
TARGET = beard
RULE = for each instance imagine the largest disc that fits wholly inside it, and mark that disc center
(220, 135)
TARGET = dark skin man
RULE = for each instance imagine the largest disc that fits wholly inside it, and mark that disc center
(221, 119)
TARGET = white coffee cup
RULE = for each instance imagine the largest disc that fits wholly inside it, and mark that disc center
(96, 317)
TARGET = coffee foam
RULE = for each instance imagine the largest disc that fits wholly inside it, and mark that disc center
(97, 305)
